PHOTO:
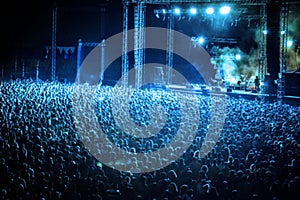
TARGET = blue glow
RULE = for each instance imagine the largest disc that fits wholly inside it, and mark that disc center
(238, 57)
(201, 40)
(177, 11)
(210, 11)
(224, 10)
(289, 43)
(193, 11)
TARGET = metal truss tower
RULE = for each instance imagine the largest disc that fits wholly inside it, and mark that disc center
(125, 45)
(262, 43)
(53, 46)
(283, 50)
(139, 40)
(170, 47)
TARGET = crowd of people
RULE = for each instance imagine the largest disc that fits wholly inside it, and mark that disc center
(257, 155)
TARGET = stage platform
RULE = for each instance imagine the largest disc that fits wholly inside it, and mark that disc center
(252, 95)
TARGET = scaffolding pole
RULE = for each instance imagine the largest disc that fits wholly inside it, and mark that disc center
(283, 50)
(170, 47)
(262, 43)
(139, 37)
(54, 27)
(125, 46)
(79, 48)
(102, 67)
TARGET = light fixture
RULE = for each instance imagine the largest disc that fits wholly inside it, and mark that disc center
(210, 10)
(177, 11)
(201, 40)
(289, 43)
(193, 11)
(224, 10)
(238, 56)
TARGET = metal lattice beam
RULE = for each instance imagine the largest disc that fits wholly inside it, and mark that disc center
(262, 43)
(125, 45)
(170, 47)
(54, 30)
(283, 51)
(139, 37)
(240, 2)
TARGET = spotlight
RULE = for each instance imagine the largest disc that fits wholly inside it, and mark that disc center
(177, 11)
(238, 57)
(210, 10)
(193, 11)
(289, 43)
(201, 40)
(224, 10)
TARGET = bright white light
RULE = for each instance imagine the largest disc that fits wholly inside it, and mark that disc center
(282, 32)
(164, 11)
(177, 11)
(201, 40)
(289, 43)
(193, 11)
(210, 10)
(224, 10)
(238, 57)
(265, 32)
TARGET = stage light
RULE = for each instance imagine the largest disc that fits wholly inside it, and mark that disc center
(210, 10)
(265, 32)
(193, 11)
(224, 10)
(289, 43)
(164, 11)
(177, 11)
(201, 40)
(238, 57)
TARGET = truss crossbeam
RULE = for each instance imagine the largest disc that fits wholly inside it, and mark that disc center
(240, 2)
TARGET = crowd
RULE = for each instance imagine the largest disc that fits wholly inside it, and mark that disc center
(43, 157)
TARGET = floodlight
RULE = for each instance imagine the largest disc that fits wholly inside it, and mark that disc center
(177, 11)
(193, 11)
(289, 43)
(224, 10)
(210, 10)
(201, 40)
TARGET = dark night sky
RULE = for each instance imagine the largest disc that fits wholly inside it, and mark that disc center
(27, 24)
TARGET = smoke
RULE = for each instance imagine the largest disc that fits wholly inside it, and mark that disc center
(293, 62)
(231, 68)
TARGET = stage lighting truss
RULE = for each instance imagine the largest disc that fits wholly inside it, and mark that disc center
(232, 13)
(212, 41)
(256, 2)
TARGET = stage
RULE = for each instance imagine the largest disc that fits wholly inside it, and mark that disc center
(251, 94)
